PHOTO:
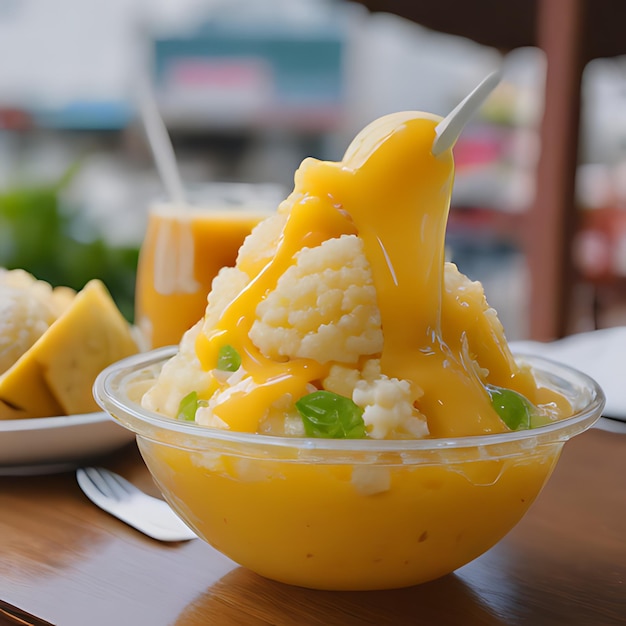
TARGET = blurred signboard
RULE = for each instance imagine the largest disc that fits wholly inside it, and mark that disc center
(236, 74)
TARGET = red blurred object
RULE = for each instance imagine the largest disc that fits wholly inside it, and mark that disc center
(599, 249)
(14, 119)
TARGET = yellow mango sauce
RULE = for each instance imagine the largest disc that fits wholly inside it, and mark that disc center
(182, 251)
(395, 194)
(312, 525)
(403, 522)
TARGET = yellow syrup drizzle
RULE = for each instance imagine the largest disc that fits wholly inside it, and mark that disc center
(398, 195)
(395, 194)
(311, 221)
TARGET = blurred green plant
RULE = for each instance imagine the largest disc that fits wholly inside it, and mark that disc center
(39, 235)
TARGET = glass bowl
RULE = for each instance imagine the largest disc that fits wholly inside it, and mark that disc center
(346, 514)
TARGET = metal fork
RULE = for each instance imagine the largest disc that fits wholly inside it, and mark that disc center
(120, 498)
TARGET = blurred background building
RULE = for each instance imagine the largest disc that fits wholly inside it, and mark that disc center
(248, 89)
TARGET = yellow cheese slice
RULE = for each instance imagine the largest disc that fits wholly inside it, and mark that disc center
(55, 376)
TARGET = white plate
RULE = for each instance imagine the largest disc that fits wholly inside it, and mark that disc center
(49, 444)
(598, 353)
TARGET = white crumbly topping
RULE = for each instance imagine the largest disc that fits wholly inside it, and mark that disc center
(27, 309)
(388, 408)
(388, 403)
(323, 307)
(181, 375)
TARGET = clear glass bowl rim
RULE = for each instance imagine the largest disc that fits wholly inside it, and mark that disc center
(110, 382)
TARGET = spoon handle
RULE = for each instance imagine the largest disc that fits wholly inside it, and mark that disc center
(449, 129)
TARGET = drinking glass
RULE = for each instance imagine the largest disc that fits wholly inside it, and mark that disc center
(185, 247)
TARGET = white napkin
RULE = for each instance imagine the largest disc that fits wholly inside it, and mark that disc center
(600, 354)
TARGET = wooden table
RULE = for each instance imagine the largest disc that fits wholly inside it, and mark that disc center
(70, 564)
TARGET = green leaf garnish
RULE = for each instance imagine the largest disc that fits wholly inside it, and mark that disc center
(515, 410)
(329, 415)
(228, 359)
(188, 407)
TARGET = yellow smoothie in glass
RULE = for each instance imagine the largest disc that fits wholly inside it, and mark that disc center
(185, 246)
(183, 250)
